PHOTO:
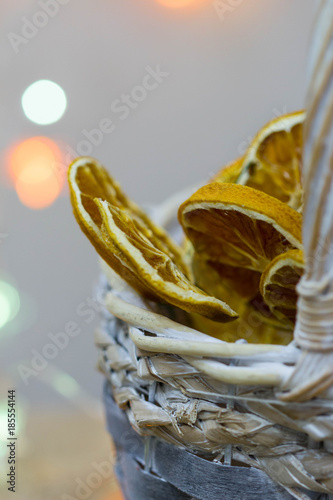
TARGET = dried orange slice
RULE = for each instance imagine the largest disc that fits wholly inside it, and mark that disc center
(88, 179)
(272, 163)
(228, 283)
(155, 268)
(239, 226)
(84, 187)
(230, 172)
(251, 326)
(240, 289)
(278, 284)
(140, 252)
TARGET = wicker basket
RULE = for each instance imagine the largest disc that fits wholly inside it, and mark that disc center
(150, 468)
(196, 417)
(205, 405)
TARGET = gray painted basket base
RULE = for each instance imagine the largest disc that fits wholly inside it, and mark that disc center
(150, 469)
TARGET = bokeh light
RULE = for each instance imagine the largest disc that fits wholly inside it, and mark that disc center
(176, 4)
(36, 169)
(36, 192)
(66, 385)
(9, 303)
(24, 319)
(44, 102)
(3, 427)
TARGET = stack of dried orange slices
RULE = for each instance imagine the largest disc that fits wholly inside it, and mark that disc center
(242, 257)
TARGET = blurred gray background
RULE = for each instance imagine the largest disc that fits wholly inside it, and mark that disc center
(228, 67)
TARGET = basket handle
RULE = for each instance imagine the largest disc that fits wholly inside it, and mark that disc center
(313, 374)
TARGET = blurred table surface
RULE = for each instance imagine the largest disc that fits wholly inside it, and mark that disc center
(63, 455)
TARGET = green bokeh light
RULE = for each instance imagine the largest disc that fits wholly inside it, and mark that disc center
(66, 385)
(9, 303)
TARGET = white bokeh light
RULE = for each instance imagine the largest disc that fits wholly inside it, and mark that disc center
(44, 102)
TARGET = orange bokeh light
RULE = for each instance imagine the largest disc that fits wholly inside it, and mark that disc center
(37, 195)
(35, 168)
(176, 4)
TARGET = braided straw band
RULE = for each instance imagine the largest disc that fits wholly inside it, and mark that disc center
(314, 330)
(313, 373)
